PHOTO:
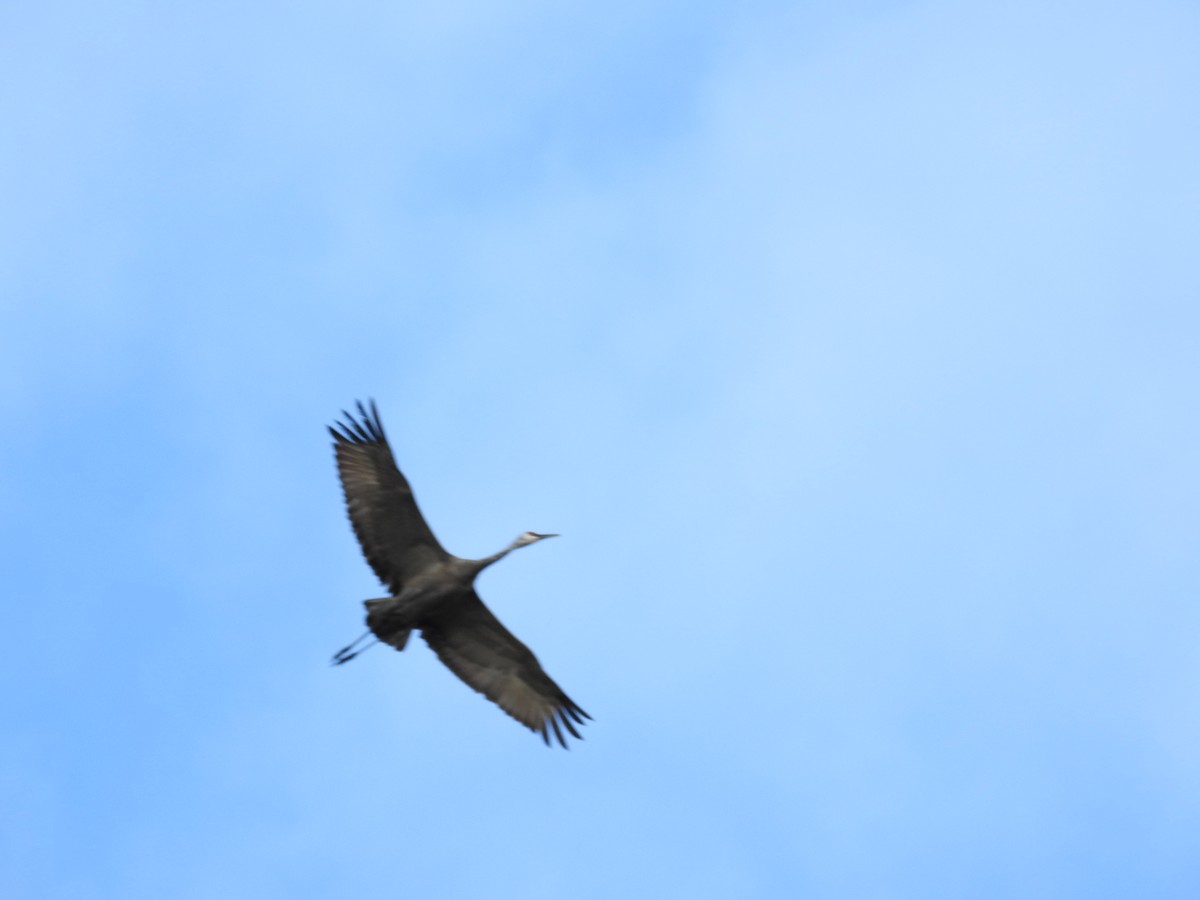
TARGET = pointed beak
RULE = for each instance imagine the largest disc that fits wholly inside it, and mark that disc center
(545, 535)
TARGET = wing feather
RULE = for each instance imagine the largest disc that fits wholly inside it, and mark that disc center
(483, 653)
(395, 538)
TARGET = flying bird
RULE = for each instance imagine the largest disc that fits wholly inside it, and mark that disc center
(433, 591)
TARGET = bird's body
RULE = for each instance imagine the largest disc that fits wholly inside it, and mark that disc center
(433, 591)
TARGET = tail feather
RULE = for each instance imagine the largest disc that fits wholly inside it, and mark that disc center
(398, 639)
(382, 620)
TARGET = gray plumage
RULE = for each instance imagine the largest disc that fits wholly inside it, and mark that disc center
(433, 591)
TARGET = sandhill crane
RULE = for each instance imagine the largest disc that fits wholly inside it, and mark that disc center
(433, 591)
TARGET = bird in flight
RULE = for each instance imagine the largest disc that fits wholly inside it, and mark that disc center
(433, 591)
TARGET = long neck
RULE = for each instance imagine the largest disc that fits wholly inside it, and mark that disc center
(482, 564)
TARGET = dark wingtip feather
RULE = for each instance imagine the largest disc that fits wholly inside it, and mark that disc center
(365, 428)
(573, 710)
(352, 431)
(567, 722)
(557, 731)
(366, 424)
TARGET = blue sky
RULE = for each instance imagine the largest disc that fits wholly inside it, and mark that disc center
(854, 349)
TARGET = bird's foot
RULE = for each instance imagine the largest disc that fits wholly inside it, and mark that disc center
(348, 652)
(343, 656)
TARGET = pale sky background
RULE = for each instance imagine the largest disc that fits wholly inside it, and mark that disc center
(854, 348)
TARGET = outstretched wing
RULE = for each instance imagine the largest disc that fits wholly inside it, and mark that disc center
(483, 653)
(394, 536)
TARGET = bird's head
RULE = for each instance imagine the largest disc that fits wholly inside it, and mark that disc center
(531, 537)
